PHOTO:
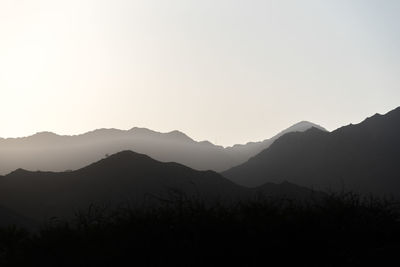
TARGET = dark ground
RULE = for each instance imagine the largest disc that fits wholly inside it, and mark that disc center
(340, 230)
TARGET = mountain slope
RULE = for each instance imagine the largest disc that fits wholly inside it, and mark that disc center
(51, 152)
(362, 157)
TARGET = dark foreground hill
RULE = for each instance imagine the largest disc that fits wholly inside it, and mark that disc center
(50, 152)
(363, 158)
(125, 177)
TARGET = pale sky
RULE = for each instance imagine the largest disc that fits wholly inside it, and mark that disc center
(229, 71)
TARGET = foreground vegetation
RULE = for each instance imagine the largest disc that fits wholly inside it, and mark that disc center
(339, 230)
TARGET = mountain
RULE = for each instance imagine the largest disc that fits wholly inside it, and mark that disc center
(362, 157)
(51, 152)
(122, 177)
(245, 152)
(125, 176)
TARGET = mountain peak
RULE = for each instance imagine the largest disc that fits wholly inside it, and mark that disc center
(178, 135)
(140, 130)
(126, 154)
(120, 160)
(18, 172)
(303, 126)
(314, 130)
(45, 134)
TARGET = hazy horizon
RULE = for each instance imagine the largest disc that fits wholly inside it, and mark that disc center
(225, 71)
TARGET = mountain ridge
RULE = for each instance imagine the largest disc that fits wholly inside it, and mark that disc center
(142, 130)
(360, 157)
(52, 152)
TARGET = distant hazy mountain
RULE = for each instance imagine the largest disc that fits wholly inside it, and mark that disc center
(363, 157)
(50, 152)
(123, 177)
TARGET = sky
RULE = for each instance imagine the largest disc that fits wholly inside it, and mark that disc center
(227, 71)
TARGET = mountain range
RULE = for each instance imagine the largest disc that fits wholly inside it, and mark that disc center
(51, 152)
(125, 177)
(362, 158)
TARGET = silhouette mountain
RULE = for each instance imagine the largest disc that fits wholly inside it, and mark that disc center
(363, 158)
(51, 152)
(119, 178)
